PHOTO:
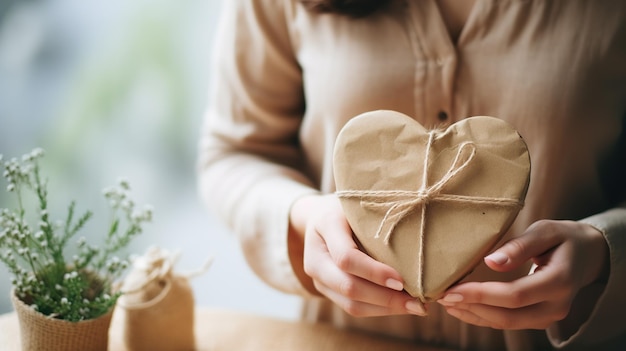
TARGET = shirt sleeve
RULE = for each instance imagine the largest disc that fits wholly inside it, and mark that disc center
(597, 314)
(604, 325)
(249, 156)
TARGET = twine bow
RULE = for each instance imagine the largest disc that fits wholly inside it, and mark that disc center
(400, 203)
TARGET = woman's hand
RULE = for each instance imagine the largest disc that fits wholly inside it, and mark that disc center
(568, 255)
(353, 280)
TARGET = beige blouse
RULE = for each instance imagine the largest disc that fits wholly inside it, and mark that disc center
(286, 80)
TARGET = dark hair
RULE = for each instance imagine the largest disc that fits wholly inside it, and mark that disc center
(353, 8)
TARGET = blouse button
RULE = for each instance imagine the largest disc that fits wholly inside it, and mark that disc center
(442, 116)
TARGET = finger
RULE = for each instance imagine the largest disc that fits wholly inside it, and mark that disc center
(358, 296)
(356, 289)
(332, 281)
(371, 302)
(538, 239)
(541, 286)
(467, 317)
(359, 308)
(538, 316)
(315, 255)
(361, 265)
(346, 255)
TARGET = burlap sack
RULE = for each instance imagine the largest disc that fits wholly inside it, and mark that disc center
(157, 306)
(41, 333)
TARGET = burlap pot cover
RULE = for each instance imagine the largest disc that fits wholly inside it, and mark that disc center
(41, 333)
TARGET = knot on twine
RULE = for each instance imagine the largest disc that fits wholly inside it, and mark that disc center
(157, 265)
(400, 203)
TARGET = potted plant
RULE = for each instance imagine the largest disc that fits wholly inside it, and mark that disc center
(64, 301)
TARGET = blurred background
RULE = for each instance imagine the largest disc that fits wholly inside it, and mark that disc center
(114, 89)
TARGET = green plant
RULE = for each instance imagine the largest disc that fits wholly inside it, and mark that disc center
(73, 289)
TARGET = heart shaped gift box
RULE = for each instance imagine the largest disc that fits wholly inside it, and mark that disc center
(430, 204)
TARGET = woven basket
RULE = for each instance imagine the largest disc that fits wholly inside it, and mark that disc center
(41, 333)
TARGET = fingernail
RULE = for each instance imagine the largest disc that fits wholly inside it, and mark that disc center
(498, 258)
(445, 303)
(415, 307)
(394, 284)
(452, 298)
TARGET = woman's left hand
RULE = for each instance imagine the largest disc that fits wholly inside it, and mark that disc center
(569, 256)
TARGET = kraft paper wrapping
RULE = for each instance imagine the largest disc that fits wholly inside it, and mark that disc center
(430, 204)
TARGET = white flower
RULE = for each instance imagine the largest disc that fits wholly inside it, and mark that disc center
(10, 187)
(147, 212)
(127, 204)
(124, 184)
(81, 241)
(108, 191)
(64, 301)
(37, 152)
(71, 275)
(26, 169)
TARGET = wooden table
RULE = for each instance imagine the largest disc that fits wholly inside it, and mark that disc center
(218, 330)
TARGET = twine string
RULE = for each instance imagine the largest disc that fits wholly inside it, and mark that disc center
(160, 264)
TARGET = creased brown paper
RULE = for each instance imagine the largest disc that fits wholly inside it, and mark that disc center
(430, 204)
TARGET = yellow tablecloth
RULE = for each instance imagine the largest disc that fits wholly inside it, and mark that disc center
(218, 330)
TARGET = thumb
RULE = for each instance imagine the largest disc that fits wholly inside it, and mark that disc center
(535, 242)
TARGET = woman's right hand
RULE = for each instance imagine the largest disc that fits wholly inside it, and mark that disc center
(357, 283)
